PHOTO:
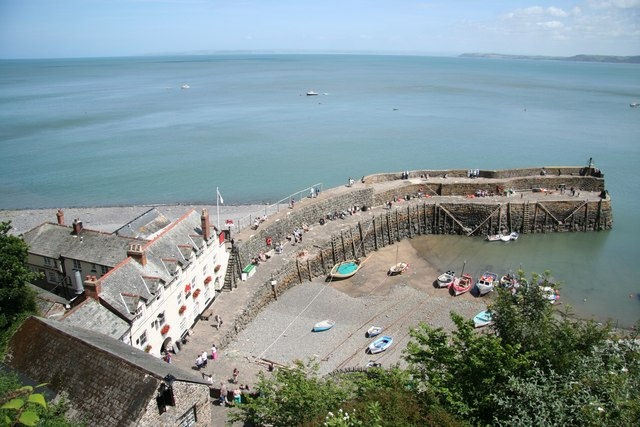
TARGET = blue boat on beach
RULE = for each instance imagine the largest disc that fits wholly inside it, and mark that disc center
(325, 325)
(380, 345)
(483, 318)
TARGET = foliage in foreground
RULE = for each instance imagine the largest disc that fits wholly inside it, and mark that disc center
(21, 405)
(537, 368)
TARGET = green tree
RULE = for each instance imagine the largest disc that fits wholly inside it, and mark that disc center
(17, 301)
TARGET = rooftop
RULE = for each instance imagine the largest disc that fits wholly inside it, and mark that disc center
(145, 225)
(91, 315)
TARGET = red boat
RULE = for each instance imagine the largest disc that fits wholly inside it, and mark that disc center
(461, 284)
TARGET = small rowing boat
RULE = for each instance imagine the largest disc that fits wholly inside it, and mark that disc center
(446, 279)
(399, 268)
(344, 270)
(325, 325)
(380, 345)
(494, 237)
(461, 285)
(482, 319)
(373, 331)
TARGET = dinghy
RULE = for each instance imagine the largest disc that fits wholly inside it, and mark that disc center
(380, 345)
(325, 325)
(494, 237)
(373, 331)
(461, 285)
(482, 319)
(344, 270)
(399, 268)
(509, 237)
(446, 279)
(486, 283)
(508, 281)
(373, 364)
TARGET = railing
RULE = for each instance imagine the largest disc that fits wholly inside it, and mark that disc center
(284, 203)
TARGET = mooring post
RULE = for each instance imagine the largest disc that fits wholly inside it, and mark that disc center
(353, 244)
(424, 213)
(344, 248)
(535, 218)
(309, 268)
(389, 228)
(397, 226)
(375, 234)
(324, 266)
(364, 249)
(586, 216)
(299, 273)
(333, 250)
(419, 220)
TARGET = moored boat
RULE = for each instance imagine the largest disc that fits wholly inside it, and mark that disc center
(509, 237)
(312, 93)
(185, 86)
(344, 270)
(486, 283)
(373, 331)
(325, 325)
(461, 285)
(380, 345)
(483, 318)
(399, 268)
(508, 281)
(634, 105)
(446, 279)
(494, 237)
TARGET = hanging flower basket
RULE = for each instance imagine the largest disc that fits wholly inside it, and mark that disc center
(196, 293)
(217, 268)
(164, 329)
(147, 349)
(207, 280)
(182, 309)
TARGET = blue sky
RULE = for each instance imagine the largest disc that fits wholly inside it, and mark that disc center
(80, 28)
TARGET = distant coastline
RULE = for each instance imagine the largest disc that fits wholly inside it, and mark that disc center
(575, 58)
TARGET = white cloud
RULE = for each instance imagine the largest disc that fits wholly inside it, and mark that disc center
(556, 11)
(617, 4)
(552, 25)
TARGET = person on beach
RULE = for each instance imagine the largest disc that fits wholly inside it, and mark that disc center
(223, 394)
(237, 396)
(235, 375)
(204, 358)
(214, 352)
(199, 362)
(217, 321)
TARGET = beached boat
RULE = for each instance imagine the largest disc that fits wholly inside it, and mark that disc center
(380, 345)
(373, 364)
(446, 279)
(509, 237)
(185, 86)
(399, 268)
(325, 325)
(483, 318)
(461, 285)
(374, 331)
(494, 237)
(486, 283)
(508, 281)
(312, 93)
(344, 270)
(550, 294)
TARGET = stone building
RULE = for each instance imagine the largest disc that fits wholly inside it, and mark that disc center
(66, 254)
(49, 304)
(154, 290)
(105, 381)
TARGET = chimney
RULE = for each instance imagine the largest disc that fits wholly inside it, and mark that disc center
(77, 226)
(136, 252)
(60, 216)
(92, 287)
(206, 228)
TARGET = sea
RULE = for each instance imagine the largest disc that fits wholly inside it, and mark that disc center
(120, 131)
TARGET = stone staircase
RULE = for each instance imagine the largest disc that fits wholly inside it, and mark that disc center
(233, 271)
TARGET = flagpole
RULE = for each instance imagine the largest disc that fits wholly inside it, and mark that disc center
(218, 207)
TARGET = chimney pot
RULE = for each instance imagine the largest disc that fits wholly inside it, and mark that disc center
(60, 216)
(136, 252)
(77, 226)
(92, 287)
(206, 228)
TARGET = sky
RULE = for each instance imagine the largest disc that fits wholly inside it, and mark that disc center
(96, 28)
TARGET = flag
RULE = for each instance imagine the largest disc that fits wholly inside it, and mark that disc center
(219, 196)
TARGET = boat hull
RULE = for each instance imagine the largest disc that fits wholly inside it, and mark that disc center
(380, 345)
(483, 318)
(335, 273)
(325, 325)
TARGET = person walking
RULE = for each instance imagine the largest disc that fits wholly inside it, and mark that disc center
(235, 375)
(214, 352)
(199, 362)
(204, 358)
(223, 394)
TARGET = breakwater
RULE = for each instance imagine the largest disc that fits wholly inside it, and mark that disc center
(422, 203)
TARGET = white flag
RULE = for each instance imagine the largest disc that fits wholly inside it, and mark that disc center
(219, 196)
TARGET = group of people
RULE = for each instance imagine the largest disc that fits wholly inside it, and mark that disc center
(473, 173)
(484, 193)
(258, 221)
(202, 360)
(404, 175)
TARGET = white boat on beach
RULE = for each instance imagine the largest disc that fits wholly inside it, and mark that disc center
(486, 283)
(398, 268)
(380, 345)
(446, 279)
(483, 318)
(373, 331)
(325, 325)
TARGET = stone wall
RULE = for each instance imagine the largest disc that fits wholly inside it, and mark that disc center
(187, 396)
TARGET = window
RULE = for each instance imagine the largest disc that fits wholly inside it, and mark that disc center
(77, 265)
(143, 339)
(104, 269)
(52, 277)
(48, 261)
(188, 419)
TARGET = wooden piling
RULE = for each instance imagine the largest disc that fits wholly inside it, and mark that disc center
(324, 266)
(333, 250)
(599, 217)
(353, 244)
(299, 273)
(586, 216)
(364, 250)
(344, 248)
(309, 268)
(535, 218)
(409, 222)
(397, 226)
(389, 229)
(375, 234)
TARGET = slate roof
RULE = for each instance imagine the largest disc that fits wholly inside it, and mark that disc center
(173, 249)
(91, 315)
(144, 226)
(53, 241)
(104, 379)
(48, 296)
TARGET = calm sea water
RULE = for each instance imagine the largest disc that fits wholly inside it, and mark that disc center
(121, 131)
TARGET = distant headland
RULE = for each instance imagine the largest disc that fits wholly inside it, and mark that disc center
(575, 58)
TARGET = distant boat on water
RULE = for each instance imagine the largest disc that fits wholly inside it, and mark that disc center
(312, 93)
(634, 105)
(185, 86)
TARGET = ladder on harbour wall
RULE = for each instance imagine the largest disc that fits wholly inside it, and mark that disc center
(234, 271)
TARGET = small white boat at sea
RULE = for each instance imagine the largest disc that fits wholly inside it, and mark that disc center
(325, 325)
(374, 331)
(312, 93)
(380, 345)
(482, 319)
(185, 86)
(446, 279)
(634, 105)
(486, 283)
